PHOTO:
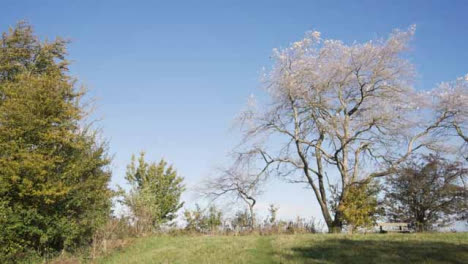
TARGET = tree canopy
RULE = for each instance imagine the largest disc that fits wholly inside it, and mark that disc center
(427, 192)
(53, 170)
(155, 195)
(344, 110)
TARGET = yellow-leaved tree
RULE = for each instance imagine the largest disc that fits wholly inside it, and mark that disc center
(53, 171)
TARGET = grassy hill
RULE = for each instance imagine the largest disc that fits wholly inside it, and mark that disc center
(305, 248)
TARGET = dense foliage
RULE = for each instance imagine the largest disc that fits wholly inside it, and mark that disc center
(155, 195)
(53, 171)
(360, 207)
(426, 192)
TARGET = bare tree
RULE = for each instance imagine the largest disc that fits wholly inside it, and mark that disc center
(451, 98)
(237, 182)
(341, 110)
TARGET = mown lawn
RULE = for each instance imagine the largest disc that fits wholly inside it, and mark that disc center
(307, 248)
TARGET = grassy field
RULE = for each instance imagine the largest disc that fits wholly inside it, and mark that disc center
(308, 248)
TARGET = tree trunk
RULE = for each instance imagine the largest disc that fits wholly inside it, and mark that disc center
(336, 226)
(252, 217)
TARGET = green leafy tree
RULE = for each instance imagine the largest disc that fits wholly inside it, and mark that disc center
(214, 218)
(155, 195)
(360, 207)
(53, 171)
(11, 243)
(427, 192)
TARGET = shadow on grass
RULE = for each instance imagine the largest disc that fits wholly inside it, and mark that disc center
(372, 251)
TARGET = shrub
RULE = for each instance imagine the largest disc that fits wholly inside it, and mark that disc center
(155, 195)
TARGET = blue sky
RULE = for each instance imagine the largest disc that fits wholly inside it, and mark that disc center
(170, 76)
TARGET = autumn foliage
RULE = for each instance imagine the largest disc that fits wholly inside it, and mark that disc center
(53, 170)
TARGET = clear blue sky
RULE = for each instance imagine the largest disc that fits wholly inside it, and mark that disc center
(170, 76)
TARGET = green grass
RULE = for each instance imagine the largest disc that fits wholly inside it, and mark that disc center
(308, 248)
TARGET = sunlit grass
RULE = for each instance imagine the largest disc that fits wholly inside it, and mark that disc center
(309, 248)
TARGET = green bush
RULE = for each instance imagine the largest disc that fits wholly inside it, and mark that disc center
(155, 195)
(199, 221)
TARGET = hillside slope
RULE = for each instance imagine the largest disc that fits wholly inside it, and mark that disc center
(308, 248)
